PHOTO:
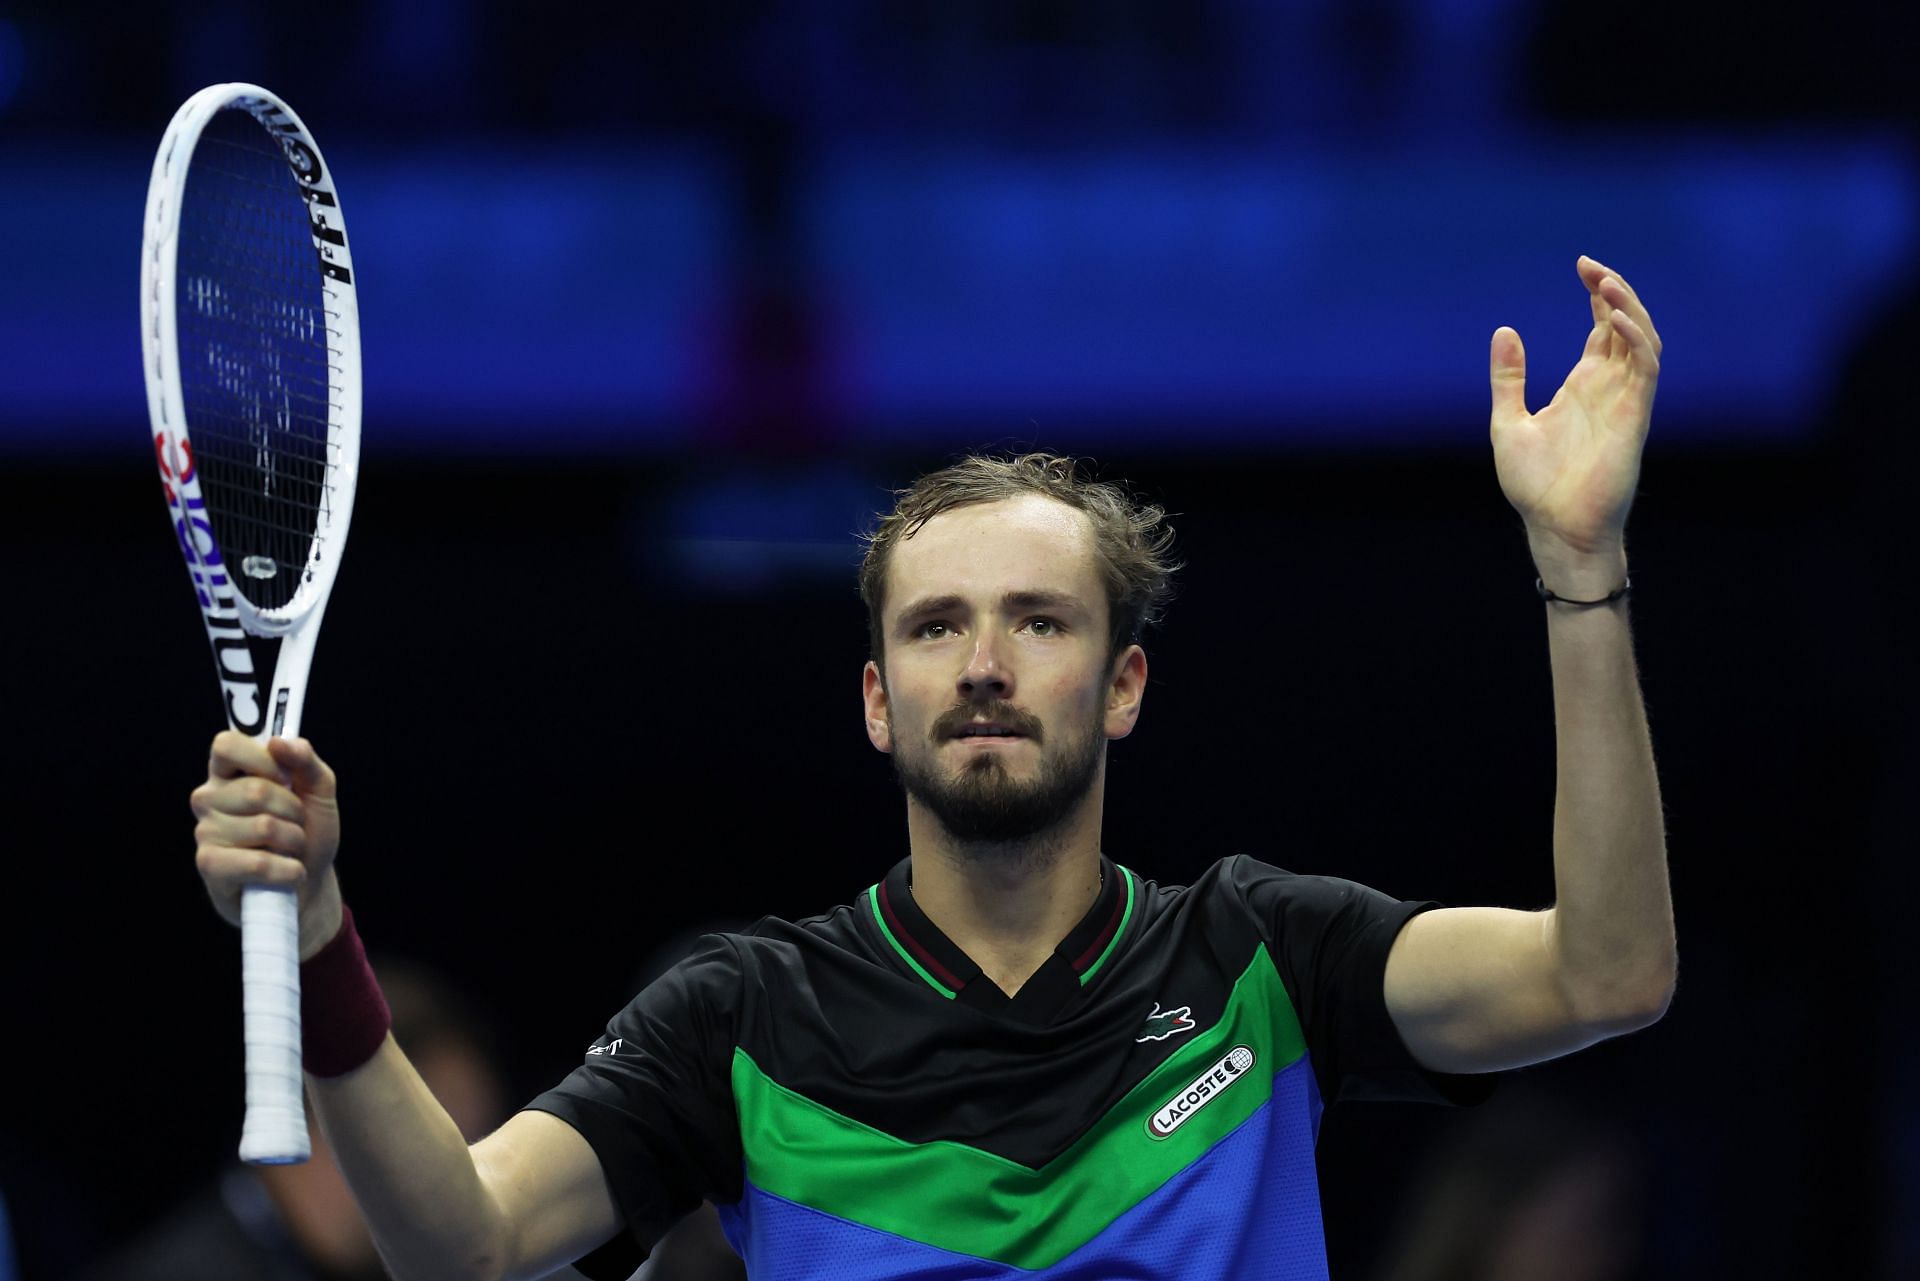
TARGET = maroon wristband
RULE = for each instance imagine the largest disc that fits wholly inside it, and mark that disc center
(343, 1016)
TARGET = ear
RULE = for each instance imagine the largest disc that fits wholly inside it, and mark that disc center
(873, 693)
(1126, 687)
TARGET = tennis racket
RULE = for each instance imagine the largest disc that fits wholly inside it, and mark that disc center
(250, 335)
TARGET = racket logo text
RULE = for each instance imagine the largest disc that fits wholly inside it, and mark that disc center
(304, 161)
(232, 659)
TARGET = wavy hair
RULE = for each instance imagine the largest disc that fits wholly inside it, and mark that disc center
(1132, 539)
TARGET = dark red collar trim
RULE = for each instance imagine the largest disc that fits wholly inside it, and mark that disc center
(905, 935)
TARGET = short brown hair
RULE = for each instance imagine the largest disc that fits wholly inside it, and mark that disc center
(1131, 538)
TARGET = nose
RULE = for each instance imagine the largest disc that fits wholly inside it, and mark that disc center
(986, 674)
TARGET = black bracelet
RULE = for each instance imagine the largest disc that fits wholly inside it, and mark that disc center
(1608, 599)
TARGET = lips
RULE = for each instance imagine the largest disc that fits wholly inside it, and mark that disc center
(990, 724)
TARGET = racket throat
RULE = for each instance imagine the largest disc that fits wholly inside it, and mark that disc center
(240, 685)
(245, 665)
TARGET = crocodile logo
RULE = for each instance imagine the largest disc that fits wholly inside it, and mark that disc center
(1162, 1024)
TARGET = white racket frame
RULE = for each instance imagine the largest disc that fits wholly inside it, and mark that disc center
(275, 1129)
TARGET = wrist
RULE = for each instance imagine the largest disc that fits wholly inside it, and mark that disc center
(321, 922)
(1578, 573)
(344, 1017)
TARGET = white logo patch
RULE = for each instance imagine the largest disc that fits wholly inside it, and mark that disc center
(611, 1047)
(1202, 1090)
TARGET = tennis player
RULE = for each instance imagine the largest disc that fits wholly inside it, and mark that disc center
(1013, 1056)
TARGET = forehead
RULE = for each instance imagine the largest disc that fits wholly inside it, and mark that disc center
(1029, 543)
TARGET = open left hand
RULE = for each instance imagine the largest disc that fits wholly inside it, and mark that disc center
(1570, 470)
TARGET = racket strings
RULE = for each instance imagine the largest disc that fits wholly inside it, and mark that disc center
(290, 531)
(258, 358)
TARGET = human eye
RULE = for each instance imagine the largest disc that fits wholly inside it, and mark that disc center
(932, 629)
(1044, 627)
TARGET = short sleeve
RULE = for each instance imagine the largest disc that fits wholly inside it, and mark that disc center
(653, 1098)
(1330, 939)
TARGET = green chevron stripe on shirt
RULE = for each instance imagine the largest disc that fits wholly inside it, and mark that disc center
(956, 1197)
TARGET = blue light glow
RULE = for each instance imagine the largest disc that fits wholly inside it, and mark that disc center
(576, 300)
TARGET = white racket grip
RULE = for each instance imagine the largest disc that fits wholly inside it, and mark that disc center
(275, 1131)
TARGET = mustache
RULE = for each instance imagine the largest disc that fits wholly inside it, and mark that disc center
(950, 722)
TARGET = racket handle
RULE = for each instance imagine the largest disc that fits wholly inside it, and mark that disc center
(275, 1132)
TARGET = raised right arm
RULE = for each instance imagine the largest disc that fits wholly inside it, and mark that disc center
(519, 1203)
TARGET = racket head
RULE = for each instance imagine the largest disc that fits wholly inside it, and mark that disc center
(250, 333)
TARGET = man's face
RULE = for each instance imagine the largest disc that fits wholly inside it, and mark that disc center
(998, 698)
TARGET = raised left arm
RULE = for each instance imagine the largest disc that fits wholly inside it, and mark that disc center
(1480, 989)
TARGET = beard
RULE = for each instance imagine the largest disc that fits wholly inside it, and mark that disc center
(984, 804)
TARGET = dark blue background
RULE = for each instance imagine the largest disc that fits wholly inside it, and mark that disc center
(657, 307)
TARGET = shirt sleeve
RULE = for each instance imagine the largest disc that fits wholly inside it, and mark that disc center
(653, 1098)
(1330, 939)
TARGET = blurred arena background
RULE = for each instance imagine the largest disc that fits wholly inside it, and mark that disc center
(658, 305)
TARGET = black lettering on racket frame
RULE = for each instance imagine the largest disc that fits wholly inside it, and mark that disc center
(311, 175)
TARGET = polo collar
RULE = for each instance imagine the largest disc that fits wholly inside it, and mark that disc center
(921, 947)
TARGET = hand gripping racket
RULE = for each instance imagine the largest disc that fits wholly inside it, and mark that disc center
(250, 335)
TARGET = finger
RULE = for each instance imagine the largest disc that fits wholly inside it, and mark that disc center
(252, 832)
(1507, 368)
(1592, 270)
(249, 795)
(308, 774)
(1602, 342)
(1591, 274)
(227, 870)
(1619, 295)
(1640, 349)
(1611, 288)
(1600, 337)
(234, 755)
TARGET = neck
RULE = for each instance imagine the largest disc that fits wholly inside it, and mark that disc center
(1007, 906)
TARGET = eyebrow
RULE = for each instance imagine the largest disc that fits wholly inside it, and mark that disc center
(1033, 599)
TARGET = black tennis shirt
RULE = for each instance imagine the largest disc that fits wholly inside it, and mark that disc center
(862, 1102)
